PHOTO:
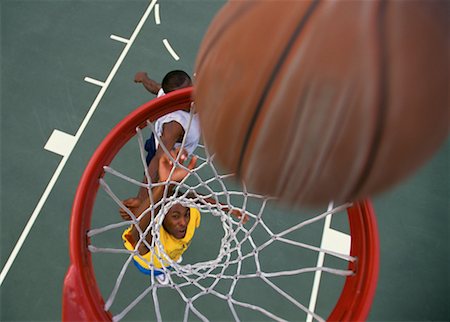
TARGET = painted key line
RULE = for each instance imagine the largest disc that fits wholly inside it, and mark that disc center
(62, 143)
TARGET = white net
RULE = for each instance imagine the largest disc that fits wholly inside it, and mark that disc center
(266, 269)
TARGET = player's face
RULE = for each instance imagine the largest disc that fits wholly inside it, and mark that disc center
(177, 220)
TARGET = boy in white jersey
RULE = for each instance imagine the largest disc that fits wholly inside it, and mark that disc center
(170, 128)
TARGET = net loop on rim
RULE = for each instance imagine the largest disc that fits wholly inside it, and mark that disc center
(82, 299)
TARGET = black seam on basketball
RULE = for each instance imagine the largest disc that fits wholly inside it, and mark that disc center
(382, 103)
(271, 80)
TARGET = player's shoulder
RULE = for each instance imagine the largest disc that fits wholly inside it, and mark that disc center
(176, 115)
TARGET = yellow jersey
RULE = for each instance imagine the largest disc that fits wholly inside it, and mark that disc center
(173, 247)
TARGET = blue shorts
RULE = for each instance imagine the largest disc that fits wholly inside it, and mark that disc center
(150, 147)
(145, 271)
(141, 263)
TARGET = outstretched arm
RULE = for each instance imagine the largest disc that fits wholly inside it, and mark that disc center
(235, 213)
(157, 194)
(165, 169)
(172, 133)
(151, 85)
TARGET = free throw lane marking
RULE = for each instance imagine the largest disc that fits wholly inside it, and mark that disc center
(61, 165)
(60, 143)
(336, 241)
(114, 37)
(94, 81)
(332, 240)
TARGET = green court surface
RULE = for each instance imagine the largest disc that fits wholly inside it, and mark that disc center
(69, 66)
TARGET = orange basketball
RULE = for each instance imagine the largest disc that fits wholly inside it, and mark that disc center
(314, 101)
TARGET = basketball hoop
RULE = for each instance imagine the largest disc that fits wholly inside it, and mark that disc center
(82, 299)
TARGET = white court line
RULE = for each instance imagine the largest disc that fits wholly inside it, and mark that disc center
(94, 81)
(114, 37)
(170, 49)
(60, 143)
(157, 17)
(61, 165)
(331, 240)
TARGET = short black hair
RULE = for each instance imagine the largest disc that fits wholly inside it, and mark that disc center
(174, 80)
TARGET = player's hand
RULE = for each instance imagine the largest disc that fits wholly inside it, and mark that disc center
(132, 204)
(140, 77)
(166, 165)
(238, 214)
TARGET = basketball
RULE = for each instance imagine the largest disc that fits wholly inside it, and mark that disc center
(312, 101)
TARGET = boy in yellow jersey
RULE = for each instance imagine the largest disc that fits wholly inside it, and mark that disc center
(175, 234)
(178, 226)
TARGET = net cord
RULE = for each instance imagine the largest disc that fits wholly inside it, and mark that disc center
(231, 253)
(203, 270)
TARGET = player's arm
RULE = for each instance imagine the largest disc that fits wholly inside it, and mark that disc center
(172, 133)
(234, 212)
(157, 194)
(149, 84)
(165, 168)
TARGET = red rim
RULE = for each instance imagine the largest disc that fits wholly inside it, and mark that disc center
(82, 300)
(359, 290)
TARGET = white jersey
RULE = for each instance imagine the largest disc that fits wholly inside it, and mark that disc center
(160, 93)
(183, 118)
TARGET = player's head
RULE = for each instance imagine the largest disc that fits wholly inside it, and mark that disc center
(174, 80)
(177, 220)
